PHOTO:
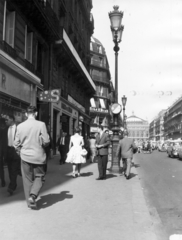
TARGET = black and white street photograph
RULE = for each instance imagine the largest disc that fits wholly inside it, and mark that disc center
(90, 119)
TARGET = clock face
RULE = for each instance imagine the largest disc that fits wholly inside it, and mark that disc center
(116, 108)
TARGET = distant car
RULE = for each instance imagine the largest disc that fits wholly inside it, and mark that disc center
(162, 147)
(172, 149)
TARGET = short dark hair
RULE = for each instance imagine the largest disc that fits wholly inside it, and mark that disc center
(31, 109)
(77, 130)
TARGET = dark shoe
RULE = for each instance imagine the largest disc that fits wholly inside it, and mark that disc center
(10, 191)
(99, 178)
(127, 177)
(32, 202)
(104, 178)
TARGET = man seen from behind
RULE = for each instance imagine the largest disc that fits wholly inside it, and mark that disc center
(125, 150)
(31, 139)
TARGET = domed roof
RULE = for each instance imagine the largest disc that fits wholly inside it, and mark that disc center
(133, 118)
(95, 40)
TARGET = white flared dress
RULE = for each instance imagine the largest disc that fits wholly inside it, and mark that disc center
(74, 154)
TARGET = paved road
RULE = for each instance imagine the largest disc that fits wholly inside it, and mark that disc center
(161, 178)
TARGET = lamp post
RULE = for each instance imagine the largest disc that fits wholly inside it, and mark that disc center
(116, 29)
(124, 100)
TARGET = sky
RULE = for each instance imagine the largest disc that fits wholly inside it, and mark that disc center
(150, 55)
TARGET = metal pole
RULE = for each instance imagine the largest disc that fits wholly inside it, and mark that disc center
(115, 163)
(123, 117)
(116, 77)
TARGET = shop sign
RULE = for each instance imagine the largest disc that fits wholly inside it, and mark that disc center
(13, 86)
(67, 108)
(98, 110)
(49, 95)
(93, 129)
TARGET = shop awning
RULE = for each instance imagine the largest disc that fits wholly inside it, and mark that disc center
(77, 58)
(92, 102)
(102, 103)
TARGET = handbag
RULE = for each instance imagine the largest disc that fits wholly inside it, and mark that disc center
(83, 152)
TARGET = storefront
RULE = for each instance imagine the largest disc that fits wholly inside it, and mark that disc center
(64, 119)
(18, 87)
(84, 125)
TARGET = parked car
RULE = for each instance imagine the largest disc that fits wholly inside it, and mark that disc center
(180, 151)
(172, 149)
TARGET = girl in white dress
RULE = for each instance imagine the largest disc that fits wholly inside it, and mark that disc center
(74, 155)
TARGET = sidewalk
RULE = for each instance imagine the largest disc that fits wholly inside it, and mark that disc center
(79, 209)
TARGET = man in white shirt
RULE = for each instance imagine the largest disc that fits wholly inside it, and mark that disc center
(12, 158)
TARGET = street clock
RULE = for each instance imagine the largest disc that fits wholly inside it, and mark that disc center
(116, 108)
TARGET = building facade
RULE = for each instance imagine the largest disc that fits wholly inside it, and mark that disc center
(173, 121)
(100, 73)
(156, 127)
(138, 128)
(45, 45)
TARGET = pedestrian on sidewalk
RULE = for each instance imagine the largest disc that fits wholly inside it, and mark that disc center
(63, 147)
(12, 158)
(102, 145)
(125, 150)
(3, 140)
(74, 155)
(31, 139)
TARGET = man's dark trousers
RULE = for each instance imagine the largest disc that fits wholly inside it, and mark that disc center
(13, 162)
(62, 150)
(33, 178)
(2, 168)
(102, 165)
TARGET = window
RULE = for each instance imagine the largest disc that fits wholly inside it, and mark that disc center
(28, 45)
(101, 62)
(39, 57)
(10, 28)
(99, 48)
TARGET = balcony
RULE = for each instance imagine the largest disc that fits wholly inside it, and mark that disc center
(8, 49)
(29, 66)
(41, 14)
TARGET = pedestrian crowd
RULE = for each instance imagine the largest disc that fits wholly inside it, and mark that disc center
(25, 148)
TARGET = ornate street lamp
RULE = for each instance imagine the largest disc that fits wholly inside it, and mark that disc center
(116, 29)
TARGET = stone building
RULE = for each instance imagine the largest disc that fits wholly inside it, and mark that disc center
(173, 120)
(156, 127)
(138, 128)
(100, 73)
(45, 45)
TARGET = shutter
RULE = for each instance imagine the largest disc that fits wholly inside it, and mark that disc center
(29, 46)
(10, 28)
